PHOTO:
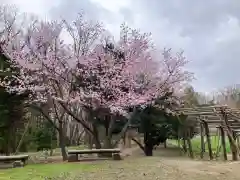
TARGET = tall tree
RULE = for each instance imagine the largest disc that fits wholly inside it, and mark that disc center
(101, 77)
(11, 109)
(190, 97)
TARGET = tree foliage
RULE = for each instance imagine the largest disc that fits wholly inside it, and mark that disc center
(93, 72)
(11, 110)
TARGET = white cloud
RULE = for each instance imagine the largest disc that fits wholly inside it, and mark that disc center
(38, 7)
(113, 6)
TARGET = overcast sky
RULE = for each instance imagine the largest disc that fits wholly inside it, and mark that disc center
(208, 31)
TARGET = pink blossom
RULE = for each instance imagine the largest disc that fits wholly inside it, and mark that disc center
(86, 73)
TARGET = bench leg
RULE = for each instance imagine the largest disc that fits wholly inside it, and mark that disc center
(116, 156)
(18, 164)
(25, 162)
(73, 158)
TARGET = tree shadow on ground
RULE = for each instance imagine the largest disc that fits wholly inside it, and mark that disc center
(161, 151)
(169, 151)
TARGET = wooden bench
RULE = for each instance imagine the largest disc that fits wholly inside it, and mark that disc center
(14, 158)
(73, 154)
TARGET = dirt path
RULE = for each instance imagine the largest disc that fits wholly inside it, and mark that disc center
(203, 169)
(166, 165)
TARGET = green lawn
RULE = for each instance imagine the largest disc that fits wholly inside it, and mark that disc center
(196, 144)
(34, 171)
(40, 171)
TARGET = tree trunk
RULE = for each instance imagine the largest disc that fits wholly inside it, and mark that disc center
(22, 138)
(108, 125)
(139, 144)
(90, 141)
(128, 139)
(107, 144)
(51, 147)
(96, 137)
(148, 150)
(122, 133)
(148, 144)
(62, 142)
(8, 142)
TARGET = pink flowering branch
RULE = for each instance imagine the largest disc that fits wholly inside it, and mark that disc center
(113, 76)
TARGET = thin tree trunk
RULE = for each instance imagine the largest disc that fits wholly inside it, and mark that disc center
(90, 141)
(8, 142)
(96, 137)
(107, 144)
(62, 142)
(122, 133)
(22, 138)
(51, 147)
(148, 144)
(139, 144)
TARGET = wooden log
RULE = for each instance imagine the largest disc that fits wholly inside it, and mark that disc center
(232, 142)
(208, 139)
(202, 141)
(223, 140)
(184, 143)
(189, 145)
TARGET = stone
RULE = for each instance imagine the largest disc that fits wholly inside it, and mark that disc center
(72, 158)
(18, 164)
(116, 156)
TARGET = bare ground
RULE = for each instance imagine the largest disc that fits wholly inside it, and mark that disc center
(165, 165)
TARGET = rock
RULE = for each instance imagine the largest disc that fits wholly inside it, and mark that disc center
(72, 158)
(17, 164)
(116, 156)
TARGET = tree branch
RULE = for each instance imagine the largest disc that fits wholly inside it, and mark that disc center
(44, 115)
(138, 143)
(85, 125)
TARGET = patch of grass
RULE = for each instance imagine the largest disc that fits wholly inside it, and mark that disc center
(41, 171)
(196, 144)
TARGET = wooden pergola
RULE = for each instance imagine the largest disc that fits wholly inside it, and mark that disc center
(214, 118)
(214, 115)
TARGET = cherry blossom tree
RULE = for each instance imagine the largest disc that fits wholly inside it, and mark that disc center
(96, 74)
(127, 73)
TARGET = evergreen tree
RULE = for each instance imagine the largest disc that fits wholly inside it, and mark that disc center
(11, 111)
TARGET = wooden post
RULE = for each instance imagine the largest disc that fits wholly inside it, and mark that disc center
(179, 146)
(189, 144)
(202, 140)
(208, 139)
(223, 142)
(184, 140)
(238, 142)
(233, 145)
(234, 135)
(165, 144)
